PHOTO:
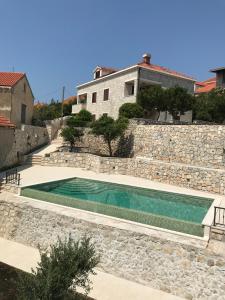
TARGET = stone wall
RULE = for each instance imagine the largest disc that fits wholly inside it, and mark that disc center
(16, 143)
(198, 145)
(53, 126)
(199, 178)
(186, 271)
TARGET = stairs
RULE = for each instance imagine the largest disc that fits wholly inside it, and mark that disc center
(58, 138)
(33, 159)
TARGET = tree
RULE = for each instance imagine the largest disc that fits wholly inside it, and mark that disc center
(131, 110)
(152, 98)
(109, 129)
(178, 100)
(210, 106)
(82, 119)
(71, 135)
(66, 266)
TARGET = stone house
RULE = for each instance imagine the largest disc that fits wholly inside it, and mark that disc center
(215, 82)
(7, 137)
(111, 88)
(16, 98)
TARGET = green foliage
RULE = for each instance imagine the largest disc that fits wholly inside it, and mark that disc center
(178, 100)
(82, 119)
(109, 129)
(66, 266)
(131, 110)
(175, 100)
(152, 98)
(210, 106)
(71, 135)
(43, 112)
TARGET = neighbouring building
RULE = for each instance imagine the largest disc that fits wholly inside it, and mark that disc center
(111, 88)
(215, 82)
(7, 138)
(16, 98)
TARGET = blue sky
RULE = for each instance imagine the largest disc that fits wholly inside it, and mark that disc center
(59, 42)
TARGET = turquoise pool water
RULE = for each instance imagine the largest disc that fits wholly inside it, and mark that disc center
(96, 195)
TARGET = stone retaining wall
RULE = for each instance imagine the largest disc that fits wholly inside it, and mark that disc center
(199, 178)
(198, 145)
(185, 271)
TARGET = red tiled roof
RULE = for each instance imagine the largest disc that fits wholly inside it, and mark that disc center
(10, 78)
(206, 86)
(70, 99)
(4, 122)
(164, 70)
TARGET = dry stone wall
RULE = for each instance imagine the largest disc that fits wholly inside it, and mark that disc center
(186, 271)
(199, 178)
(198, 145)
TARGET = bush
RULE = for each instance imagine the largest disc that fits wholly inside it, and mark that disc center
(109, 129)
(66, 266)
(71, 135)
(82, 119)
(131, 110)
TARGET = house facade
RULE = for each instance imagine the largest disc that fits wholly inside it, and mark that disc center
(112, 88)
(16, 98)
(210, 84)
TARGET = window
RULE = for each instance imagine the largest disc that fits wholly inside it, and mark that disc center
(23, 113)
(129, 89)
(24, 87)
(106, 95)
(82, 99)
(97, 74)
(105, 115)
(94, 97)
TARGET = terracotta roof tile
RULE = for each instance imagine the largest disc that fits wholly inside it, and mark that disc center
(4, 122)
(10, 78)
(206, 86)
(164, 70)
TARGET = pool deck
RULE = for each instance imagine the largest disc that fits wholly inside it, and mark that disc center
(105, 286)
(40, 174)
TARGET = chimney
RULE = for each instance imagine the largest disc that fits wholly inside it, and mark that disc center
(146, 58)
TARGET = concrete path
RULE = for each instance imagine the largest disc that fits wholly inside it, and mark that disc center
(105, 286)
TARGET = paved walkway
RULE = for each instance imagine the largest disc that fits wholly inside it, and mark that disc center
(105, 286)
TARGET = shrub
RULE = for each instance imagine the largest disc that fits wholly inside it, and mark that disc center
(82, 119)
(66, 266)
(71, 135)
(109, 129)
(131, 110)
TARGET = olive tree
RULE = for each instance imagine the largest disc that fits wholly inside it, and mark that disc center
(109, 129)
(64, 267)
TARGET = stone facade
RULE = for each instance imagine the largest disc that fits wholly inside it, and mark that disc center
(115, 84)
(16, 143)
(186, 271)
(123, 88)
(12, 99)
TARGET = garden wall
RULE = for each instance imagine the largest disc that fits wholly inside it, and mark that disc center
(19, 142)
(186, 271)
(197, 145)
(199, 178)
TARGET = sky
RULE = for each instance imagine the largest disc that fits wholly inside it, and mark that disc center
(59, 42)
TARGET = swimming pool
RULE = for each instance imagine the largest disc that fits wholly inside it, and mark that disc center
(172, 211)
